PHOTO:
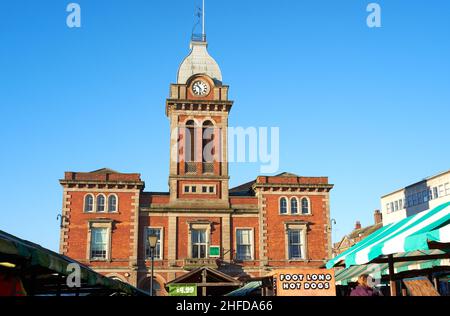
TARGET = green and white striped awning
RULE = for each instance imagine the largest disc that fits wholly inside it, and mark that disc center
(408, 235)
(377, 271)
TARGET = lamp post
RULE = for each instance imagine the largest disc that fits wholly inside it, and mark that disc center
(152, 241)
(62, 219)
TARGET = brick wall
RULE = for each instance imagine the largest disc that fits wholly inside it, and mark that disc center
(77, 241)
(317, 242)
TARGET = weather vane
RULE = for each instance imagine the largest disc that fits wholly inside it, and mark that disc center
(200, 16)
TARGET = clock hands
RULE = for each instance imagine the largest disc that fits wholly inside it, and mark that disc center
(200, 88)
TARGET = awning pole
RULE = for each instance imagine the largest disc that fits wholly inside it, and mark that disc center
(392, 282)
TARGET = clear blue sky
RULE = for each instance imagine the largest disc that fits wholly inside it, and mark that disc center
(367, 107)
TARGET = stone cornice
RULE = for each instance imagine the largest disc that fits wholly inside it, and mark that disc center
(90, 184)
(246, 211)
(184, 210)
(198, 105)
(199, 177)
(244, 207)
(101, 220)
(293, 187)
(199, 102)
(201, 211)
(200, 221)
(296, 222)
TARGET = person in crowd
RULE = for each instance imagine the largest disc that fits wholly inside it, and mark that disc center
(363, 288)
(11, 285)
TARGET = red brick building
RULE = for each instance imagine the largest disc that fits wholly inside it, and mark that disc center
(272, 222)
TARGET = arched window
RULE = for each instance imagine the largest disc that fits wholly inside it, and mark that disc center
(88, 203)
(294, 206)
(283, 206)
(112, 203)
(305, 206)
(208, 149)
(189, 141)
(100, 203)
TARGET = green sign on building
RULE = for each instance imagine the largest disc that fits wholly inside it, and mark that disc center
(214, 251)
(182, 290)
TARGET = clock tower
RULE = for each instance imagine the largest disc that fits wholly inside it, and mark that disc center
(198, 109)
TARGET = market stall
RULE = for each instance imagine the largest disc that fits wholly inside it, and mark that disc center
(419, 243)
(29, 269)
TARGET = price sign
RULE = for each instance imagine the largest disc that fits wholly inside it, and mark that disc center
(182, 290)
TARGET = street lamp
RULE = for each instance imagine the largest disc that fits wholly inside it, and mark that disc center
(152, 241)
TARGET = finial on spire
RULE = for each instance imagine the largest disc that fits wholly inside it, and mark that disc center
(200, 18)
(203, 22)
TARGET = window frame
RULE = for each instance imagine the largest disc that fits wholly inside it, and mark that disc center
(211, 189)
(97, 203)
(199, 244)
(116, 203)
(252, 243)
(292, 199)
(302, 227)
(160, 241)
(93, 203)
(425, 196)
(441, 190)
(285, 199)
(103, 245)
(430, 194)
(199, 226)
(99, 224)
(210, 127)
(190, 141)
(436, 192)
(309, 205)
(298, 245)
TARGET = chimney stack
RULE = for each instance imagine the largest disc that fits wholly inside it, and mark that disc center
(378, 217)
(358, 225)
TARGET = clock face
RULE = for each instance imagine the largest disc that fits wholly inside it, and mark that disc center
(200, 88)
